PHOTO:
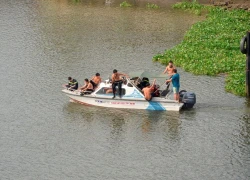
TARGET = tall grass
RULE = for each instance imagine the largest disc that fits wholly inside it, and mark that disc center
(211, 47)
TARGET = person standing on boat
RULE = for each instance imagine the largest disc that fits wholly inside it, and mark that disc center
(72, 85)
(170, 68)
(175, 79)
(148, 91)
(117, 81)
(96, 80)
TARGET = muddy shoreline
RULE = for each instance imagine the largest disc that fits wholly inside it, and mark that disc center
(227, 4)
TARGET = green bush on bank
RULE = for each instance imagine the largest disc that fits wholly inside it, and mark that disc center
(152, 6)
(211, 47)
(125, 4)
(193, 7)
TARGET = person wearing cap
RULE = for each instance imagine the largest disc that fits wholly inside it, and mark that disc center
(96, 80)
(148, 91)
(117, 81)
(72, 85)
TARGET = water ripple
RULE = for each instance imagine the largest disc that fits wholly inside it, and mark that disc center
(44, 136)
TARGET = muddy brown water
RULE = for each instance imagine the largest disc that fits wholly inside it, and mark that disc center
(44, 136)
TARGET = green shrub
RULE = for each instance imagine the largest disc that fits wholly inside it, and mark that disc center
(193, 7)
(211, 47)
(125, 4)
(152, 6)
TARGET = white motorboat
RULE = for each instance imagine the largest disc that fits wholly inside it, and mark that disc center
(132, 96)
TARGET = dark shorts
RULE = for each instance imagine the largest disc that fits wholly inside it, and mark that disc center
(88, 91)
(117, 82)
(93, 83)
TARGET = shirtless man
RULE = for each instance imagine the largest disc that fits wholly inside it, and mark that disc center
(170, 68)
(148, 91)
(87, 87)
(96, 80)
(109, 90)
(117, 81)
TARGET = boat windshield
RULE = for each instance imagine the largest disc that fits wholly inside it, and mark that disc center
(150, 75)
(141, 78)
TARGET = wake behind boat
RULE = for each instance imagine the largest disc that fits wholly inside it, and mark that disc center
(132, 96)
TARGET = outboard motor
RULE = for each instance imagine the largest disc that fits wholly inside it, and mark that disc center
(188, 98)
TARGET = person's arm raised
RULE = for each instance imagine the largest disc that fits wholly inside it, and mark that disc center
(166, 69)
(153, 84)
(123, 74)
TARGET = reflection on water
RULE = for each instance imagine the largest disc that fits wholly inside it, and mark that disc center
(44, 136)
(122, 120)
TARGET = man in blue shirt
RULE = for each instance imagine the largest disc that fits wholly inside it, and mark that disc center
(175, 79)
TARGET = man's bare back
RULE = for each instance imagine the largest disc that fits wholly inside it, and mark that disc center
(147, 91)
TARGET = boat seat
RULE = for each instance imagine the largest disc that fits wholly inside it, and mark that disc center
(165, 91)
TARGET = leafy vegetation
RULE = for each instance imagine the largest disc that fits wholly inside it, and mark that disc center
(211, 47)
(152, 6)
(193, 7)
(125, 4)
(76, 1)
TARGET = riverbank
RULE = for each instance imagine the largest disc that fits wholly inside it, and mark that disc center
(211, 47)
(228, 4)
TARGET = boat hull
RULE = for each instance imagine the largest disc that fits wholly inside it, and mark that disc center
(159, 104)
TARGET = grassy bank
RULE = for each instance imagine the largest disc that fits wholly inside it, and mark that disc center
(211, 47)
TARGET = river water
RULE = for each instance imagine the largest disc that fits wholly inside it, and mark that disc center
(44, 136)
